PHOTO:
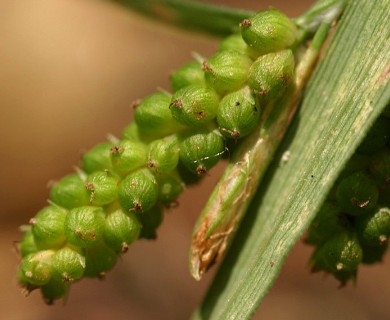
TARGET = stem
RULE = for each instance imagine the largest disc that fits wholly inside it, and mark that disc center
(219, 20)
(222, 20)
(323, 11)
(231, 197)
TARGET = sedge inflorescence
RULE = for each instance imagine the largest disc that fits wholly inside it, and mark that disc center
(353, 225)
(123, 185)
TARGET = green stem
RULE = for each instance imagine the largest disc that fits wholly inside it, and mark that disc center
(222, 20)
(227, 204)
(323, 11)
(209, 18)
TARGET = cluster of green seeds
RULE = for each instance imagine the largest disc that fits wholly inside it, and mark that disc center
(353, 225)
(123, 185)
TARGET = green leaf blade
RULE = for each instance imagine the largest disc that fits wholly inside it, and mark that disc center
(347, 93)
(213, 19)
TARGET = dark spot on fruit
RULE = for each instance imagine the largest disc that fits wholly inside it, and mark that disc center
(137, 206)
(245, 23)
(116, 149)
(177, 103)
(201, 170)
(200, 115)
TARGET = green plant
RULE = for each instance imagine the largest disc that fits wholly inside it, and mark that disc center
(205, 155)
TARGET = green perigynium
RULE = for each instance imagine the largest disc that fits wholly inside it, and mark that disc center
(70, 192)
(102, 188)
(236, 43)
(238, 114)
(190, 73)
(98, 260)
(153, 117)
(150, 221)
(98, 158)
(127, 156)
(36, 267)
(199, 152)
(23, 281)
(271, 74)
(84, 226)
(357, 194)
(54, 289)
(342, 253)
(374, 229)
(380, 167)
(121, 230)
(227, 71)
(374, 254)
(47, 228)
(170, 187)
(138, 192)
(194, 105)
(131, 132)
(326, 224)
(163, 154)
(268, 31)
(27, 245)
(67, 264)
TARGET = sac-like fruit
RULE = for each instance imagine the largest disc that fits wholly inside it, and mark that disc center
(271, 74)
(238, 114)
(170, 187)
(127, 156)
(374, 229)
(27, 245)
(84, 226)
(153, 117)
(163, 154)
(36, 267)
(48, 226)
(199, 152)
(342, 253)
(227, 71)
(121, 230)
(189, 74)
(268, 31)
(68, 265)
(236, 43)
(98, 260)
(138, 192)
(357, 194)
(327, 223)
(69, 192)
(98, 158)
(102, 188)
(194, 105)
(150, 221)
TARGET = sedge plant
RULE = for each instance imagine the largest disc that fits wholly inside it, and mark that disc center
(236, 104)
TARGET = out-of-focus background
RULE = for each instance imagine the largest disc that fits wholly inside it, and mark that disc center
(69, 70)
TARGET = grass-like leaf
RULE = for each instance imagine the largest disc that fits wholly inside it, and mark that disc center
(346, 94)
(213, 19)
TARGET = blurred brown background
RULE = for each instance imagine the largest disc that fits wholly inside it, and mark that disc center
(68, 72)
